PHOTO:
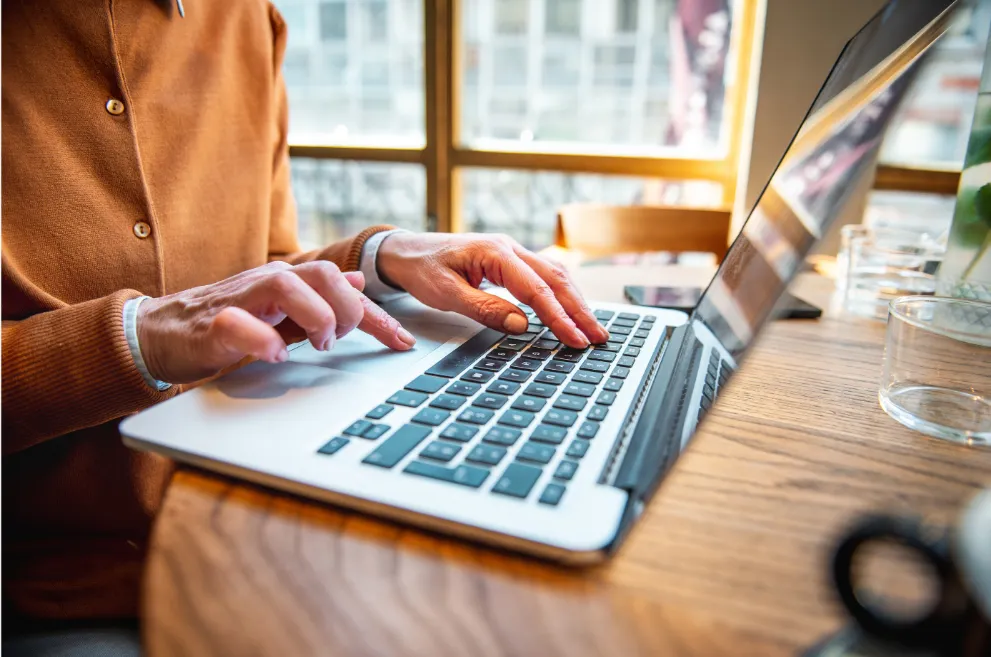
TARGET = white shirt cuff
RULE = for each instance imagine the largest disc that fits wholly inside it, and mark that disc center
(131, 333)
(375, 289)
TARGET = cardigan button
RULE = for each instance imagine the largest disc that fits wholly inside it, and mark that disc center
(142, 229)
(115, 107)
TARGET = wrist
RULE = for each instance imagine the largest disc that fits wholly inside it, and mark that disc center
(389, 261)
(139, 341)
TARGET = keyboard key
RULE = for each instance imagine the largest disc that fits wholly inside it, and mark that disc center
(529, 364)
(466, 475)
(620, 372)
(604, 356)
(539, 354)
(448, 402)
(440, 451)
(593, 378)
(632, 351)
(566, 470)
(577, 448)
(552, 494)
(588, 429)
(706, 403)
(397, 446)
(560, 418)
(357, 428)
(613, 385)
(513, 345)
(553, 378)
(517, 480)
(477, 376)
(580, 389)
(569, 355)
(617, 338)
(595, 366)
(626, 361)
(637, 342)
(628, 316)
(379, 412)
(514, 418)
(460, 432)
(502, 354)
(649, 319)
(425, 383)
(707, 392)
(642, 333)
(598, 413)
(463, 388)
(546, 343)
(488, 400)
(606, 398)
(456, 362)
(603, 315)
(376, 431)
(620, 330)
(614, 347)
(490, 364)
(532, 404)
(407, 398)
(710, 379)
(503, 387)
(525, 308)
(540, 390)
(559, 366)
(431, 416)
(333, 446)
(502, 436)
(536, 452)
(529, 335)
(629, 323)
(570, 403)
(475, 415)
(487, 454)
(517, 376)
(546, 433)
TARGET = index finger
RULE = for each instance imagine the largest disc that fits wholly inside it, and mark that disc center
(559, 280)
(524, 284)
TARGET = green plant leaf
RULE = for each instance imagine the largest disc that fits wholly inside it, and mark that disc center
(979, 148)
(982, 203)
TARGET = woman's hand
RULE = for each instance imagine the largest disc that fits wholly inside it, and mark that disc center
(444, 271)
(195, 333)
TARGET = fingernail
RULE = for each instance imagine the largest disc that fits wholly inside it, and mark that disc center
(282, 356)
(405, 337)
(330, 342)
(515, 323)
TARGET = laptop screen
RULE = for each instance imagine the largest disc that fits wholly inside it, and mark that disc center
(835, 146)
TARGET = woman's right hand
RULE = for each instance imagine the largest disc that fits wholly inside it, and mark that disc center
(194, 334)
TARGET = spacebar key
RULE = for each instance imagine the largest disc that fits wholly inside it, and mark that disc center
(458, 360)
(397, 446)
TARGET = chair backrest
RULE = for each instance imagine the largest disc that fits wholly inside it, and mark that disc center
(600, 230)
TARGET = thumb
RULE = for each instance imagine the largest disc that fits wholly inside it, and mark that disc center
(487, 309)
(356, 279)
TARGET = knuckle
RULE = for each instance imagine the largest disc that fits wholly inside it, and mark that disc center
(277, 265)
(282, 282)
(489, 309)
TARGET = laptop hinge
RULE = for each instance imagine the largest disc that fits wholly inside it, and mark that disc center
(656, 440)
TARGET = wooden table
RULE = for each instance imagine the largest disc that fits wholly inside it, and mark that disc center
(729, 558)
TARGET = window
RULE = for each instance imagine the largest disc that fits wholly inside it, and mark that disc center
(333, 21)
(626, 15)
(488, 114)
(563, 16)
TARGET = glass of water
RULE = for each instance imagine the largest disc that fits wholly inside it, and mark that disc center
(937, 367)
(883, 267)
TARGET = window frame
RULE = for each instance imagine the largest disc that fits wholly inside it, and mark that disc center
(443, 157)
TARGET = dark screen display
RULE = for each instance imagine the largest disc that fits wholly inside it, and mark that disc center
(813, 183)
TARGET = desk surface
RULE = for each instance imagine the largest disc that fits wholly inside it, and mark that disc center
(729, 558)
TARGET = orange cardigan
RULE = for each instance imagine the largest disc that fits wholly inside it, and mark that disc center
(143, 153)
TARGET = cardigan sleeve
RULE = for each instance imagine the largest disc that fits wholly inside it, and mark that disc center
(68, 369)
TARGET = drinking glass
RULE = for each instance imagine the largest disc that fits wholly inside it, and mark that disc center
(937, 367)
(881, 268)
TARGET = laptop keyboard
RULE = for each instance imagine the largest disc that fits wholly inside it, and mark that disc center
(468, 431)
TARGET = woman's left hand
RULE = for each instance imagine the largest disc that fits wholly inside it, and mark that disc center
(444, 271)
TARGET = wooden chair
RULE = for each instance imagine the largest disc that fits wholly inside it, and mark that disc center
(600, 230)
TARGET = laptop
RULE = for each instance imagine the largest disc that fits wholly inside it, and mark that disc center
(519, 441)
